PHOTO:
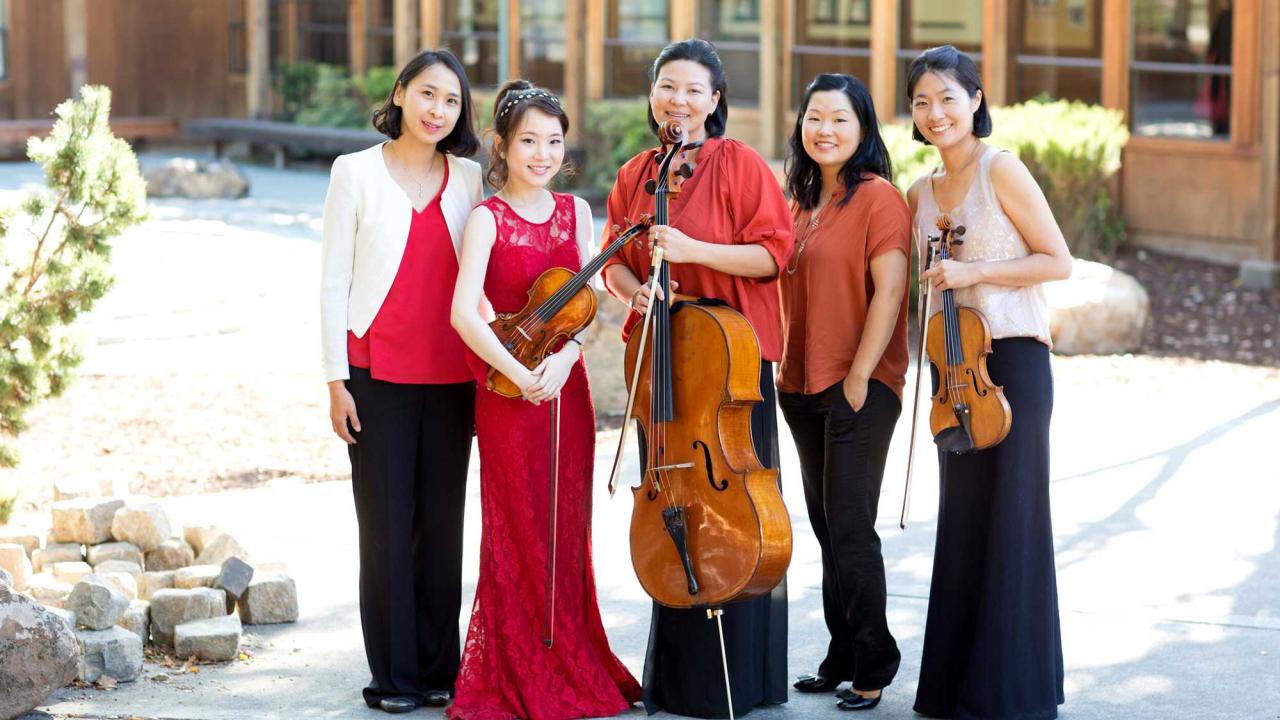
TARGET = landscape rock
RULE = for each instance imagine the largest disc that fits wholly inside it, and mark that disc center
(151, 582)
(216, 639)
(234, 578)
(185, 177)
(86, 521)
(48, 590)
(113, 651)
(171, 608)
(44, 558)
(171, 554)
(13, 558)
(269, 599)
(30, 542)
(196, 576)
(96, 603)
(219, 549)
(145, 525)
(122, 581)
(198, 536)
(71, 572)
(1099, 310)
(118, 566)
(67, 617)
(6, 579)
(38, 653)
(108, 551)
(137, 619)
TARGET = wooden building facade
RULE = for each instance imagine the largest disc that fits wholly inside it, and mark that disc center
(1199, 80)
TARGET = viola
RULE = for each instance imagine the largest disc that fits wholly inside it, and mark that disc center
(708, 525)
(560, 305)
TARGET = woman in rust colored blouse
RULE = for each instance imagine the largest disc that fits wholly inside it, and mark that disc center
(844, 362)
(729, 233)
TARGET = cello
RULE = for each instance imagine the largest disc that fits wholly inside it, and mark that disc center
(968, 411)
(708, 525)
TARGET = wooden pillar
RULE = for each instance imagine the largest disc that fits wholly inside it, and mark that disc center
(1269, 242)
(75, 28)
(884, 59)
(404, 21)
(684, 19)
(575, 96)
(258, 38)
(429, 24)
(995, 50)
(596, 31)
(787, 71)
(1245, 58)
(1115, 55)
(357, 37)
(770, 102)
(510, 40)
(289, 29)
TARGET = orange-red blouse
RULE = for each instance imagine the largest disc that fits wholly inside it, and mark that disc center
(732, 199)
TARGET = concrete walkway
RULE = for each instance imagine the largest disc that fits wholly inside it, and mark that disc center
(1166, 505)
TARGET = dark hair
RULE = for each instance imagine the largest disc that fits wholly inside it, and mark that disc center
(804, 177)
(462, 140)
(514, 101)
(703, 53)
(958, 66)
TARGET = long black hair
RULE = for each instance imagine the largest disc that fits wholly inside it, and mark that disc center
(703, 53)
(804, 177)
(462, 141)
(947, 60)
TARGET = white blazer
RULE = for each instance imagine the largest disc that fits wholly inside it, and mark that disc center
(366, 228)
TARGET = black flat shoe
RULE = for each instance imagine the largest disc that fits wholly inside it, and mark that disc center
(858, 702)
(845, 694)
(437, 698)
(815, 684)
(397, 705)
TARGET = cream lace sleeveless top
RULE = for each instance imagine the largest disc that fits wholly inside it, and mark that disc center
(989, 235)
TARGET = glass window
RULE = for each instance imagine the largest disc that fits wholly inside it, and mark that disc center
(542, 45)
(237, 44)
(929, 23)
(322, 31)
(831, 37)
(470, 30)
(275, 34)
(635, 34)
(1180, 81)
(1057, 49)
(380, 43)
(4, 40)
(734, 27)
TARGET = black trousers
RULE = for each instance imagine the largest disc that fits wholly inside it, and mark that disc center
(409, 476)
(683, 674)
(842, 456)
(992, 641)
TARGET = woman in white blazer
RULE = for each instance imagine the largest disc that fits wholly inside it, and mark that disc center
(400, 392)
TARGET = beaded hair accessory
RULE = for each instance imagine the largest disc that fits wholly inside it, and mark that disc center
(519, 96)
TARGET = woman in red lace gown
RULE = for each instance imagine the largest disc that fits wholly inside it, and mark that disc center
(510, 239)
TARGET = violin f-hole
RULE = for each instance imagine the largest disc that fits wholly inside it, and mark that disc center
(706, 455)
(979, 389)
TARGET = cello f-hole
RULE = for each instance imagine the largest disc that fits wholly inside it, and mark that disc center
(706, 454)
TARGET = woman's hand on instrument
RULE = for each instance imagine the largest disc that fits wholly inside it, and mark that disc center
(640, 298)
(855, 391)
(342, 409)
(551, 374)
(953, 274)
(676, 246)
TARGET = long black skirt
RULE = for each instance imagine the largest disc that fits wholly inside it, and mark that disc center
(682, 669)
(992, 642)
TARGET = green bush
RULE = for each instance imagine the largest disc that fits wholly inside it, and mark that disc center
(1073, 151)
(8, 501)
(615, 131)
(376, 85)
(334, 101)
(293, 83)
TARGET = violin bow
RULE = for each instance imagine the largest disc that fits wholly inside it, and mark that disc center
(549, 621)
(926, 263)
(635, 373)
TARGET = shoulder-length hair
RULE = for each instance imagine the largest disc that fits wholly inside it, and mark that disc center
(462, 141)
(947, 60)
(703, 53)
(804, 177)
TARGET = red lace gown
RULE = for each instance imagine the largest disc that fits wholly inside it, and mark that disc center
(506, 670)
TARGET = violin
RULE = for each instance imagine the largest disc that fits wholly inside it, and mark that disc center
(708, 525)
(968, 411)
(560, 305)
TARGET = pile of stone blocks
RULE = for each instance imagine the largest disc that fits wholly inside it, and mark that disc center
(120, 578)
